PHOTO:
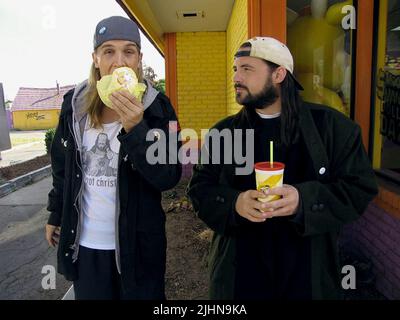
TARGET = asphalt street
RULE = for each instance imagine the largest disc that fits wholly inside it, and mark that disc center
(24, 252)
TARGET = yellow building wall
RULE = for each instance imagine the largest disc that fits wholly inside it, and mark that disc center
(201, 77)
(35, 119)
(236, 34)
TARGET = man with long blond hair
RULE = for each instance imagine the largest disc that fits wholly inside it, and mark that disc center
(110, 226)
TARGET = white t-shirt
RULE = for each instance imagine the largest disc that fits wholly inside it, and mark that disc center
(268, 116)
(100, 165)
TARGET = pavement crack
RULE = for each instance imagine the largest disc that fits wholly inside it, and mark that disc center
(20, 267)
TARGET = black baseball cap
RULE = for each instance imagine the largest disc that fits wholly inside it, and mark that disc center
(116, 28)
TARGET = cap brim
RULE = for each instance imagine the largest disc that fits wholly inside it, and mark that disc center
(297, 84)
(246, 53)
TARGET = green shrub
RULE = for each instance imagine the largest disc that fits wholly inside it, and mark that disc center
(48, 139)
(160, 85)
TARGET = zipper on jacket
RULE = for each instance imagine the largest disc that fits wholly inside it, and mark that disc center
(75, 246)
(117, 213)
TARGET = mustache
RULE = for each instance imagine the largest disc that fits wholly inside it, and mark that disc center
(237, 85)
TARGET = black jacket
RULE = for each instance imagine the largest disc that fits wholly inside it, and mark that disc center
(140, 219)
(340, 185)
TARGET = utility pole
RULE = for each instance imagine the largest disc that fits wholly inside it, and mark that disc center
(5, 142)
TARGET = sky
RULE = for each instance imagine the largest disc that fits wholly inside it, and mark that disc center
(44, 41)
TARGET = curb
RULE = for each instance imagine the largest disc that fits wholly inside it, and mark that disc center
(70, 294)
(22, 181)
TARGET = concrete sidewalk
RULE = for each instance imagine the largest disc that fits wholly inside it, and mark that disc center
(22, 153)
(23, 248)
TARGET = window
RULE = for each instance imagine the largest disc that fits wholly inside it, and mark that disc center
(319, 35)
(386, 156)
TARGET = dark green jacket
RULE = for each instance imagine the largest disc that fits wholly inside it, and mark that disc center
(339, 188)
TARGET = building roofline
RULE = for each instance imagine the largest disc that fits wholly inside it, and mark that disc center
(141, 27)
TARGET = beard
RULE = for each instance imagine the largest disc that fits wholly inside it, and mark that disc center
(101, 148)
(268, 95)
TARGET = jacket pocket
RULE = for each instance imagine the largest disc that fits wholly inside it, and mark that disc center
(217, 257)
(150, 257)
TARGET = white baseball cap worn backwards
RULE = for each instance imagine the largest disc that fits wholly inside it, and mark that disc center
(272, 50)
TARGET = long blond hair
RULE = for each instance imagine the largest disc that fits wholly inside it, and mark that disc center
(94, 105)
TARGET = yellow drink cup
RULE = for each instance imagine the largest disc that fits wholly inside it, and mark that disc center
(269, 176)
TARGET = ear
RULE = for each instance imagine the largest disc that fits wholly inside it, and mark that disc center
(95, 60)
(279, 75)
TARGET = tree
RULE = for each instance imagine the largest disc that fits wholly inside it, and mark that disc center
(160, 85)
(149, 73)
(8, 104)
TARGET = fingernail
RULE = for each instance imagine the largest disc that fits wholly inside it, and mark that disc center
(265, 190)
